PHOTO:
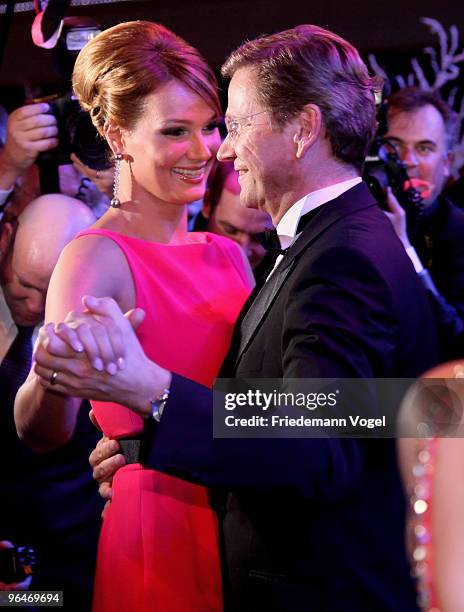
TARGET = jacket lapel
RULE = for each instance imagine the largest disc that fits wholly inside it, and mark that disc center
(261, 305)
(353, 200)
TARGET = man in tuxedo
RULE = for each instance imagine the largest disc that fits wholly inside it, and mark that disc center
(305, 524)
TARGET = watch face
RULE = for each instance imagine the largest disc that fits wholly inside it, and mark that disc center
(157, 405)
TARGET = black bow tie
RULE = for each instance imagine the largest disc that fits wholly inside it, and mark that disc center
(269, 239)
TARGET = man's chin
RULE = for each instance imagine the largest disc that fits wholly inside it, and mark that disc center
(26, 320)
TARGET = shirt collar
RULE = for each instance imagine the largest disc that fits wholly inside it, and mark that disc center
(287, 226)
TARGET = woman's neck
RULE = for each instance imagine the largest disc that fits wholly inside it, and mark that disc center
(147, 218)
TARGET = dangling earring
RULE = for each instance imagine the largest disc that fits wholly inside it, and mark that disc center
(115, 201)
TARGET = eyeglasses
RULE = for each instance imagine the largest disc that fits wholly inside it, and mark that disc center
(235, 125)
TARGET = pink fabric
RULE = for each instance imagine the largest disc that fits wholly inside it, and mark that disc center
(158, 546)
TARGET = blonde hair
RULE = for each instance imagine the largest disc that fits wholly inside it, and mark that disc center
(116, 70)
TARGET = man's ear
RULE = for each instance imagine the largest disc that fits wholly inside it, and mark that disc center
(449, 160)
(114, 137)
(7, 232)
(309, 129)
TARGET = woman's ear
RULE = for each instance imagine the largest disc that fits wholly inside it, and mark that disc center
(114, 137)
(309, 129)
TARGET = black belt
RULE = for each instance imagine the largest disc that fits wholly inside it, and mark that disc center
(131, 448)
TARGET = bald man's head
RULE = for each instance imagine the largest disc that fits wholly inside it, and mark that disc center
(45, 227)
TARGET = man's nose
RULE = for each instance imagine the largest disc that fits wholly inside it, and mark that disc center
(226, 150)
(409, 157)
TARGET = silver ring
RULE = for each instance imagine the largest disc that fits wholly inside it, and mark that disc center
(53, 377)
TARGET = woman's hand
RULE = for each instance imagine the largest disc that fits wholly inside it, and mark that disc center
(133, 383)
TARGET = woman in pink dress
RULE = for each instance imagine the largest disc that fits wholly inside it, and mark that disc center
(154, 99)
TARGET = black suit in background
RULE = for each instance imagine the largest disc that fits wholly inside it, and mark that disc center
(312, 524)
(49, 501)
(443, 256)
(447, 268)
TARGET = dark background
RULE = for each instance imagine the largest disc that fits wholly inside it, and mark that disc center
(390, 29)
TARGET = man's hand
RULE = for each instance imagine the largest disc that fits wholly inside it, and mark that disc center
(105, 460)
(137, 381)
(31, 130)
(103, 179)
(397, 217)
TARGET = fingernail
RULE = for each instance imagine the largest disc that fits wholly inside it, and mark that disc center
(111, 368)
(121, 363)
(98, 364)
(77, 346)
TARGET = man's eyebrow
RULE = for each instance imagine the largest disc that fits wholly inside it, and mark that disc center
(183, 121)
(427, 142)
(421, 142)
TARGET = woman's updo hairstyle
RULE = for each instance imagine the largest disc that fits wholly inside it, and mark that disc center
(116, 70)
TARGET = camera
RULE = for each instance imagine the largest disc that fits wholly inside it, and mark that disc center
(76, 133)
(383, 169)
(16, 564)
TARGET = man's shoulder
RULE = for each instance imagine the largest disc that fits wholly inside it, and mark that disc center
(448, 223)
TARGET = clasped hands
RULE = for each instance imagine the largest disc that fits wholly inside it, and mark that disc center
(95, 354)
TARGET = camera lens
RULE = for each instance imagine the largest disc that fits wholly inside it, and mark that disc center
(85, 141)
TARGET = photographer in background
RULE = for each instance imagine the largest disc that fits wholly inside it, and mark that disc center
(422, 127)
(51, 145)
(48, 501)
(30, 130)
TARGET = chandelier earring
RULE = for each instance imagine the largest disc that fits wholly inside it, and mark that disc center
(115, 201)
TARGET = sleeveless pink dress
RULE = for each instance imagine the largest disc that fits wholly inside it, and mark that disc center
(158, 548)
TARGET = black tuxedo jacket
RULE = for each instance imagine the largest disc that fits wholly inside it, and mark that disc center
(446, 229)
(312, 524)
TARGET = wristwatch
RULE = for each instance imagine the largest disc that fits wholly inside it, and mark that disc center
(157, 405)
